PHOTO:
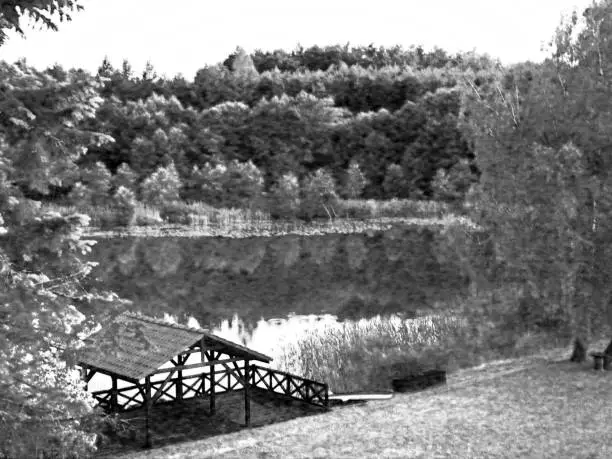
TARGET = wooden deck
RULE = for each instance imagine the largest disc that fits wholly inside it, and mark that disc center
(190, 419)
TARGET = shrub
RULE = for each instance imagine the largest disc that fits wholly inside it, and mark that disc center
(98, 180)
(318, 195)
(452, 185)
(355, 181)
(80, 195)
(406, 362)
(124, 177)
(394, 183)
(175, 213)
(105, 217)
(161, 186)
(22, 211)
(357, 208)
(494, 321)
(206, 183)
(357, 307)
(284, 198)
(243, 184)
(93, 188)
(233, 184)
(540, 314)
(125, 203)
(403, 208)
(146, 216)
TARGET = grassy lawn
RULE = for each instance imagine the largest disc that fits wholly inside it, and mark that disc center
(537, 407)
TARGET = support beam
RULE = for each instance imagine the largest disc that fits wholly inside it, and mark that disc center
(247, 401)
(109, 373)
(192, 387)
(148, 411)
(179, 383)
(198, 348)
(326, 389)
(235, 372)
(195, 365)
(134, 397)
(212, 407)
(113, 400)
(90, 375)
(210, 357)
(203, 358)
(160, 392)
(238, 374)
(86, 375)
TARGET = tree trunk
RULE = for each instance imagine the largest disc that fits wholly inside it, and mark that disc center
(608, 350)
(579, 352)
(586, 292)
(582, 328)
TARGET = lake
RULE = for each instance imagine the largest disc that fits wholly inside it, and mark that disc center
(263, 291)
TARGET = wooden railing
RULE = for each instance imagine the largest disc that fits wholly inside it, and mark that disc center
(103, 397)
(184, 388)
(276, 381)
(296, 387)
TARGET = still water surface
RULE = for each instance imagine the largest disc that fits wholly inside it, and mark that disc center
(265, 291)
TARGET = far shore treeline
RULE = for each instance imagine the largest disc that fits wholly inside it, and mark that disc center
(360, 122)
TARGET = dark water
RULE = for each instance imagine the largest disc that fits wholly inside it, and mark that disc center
(212, 279)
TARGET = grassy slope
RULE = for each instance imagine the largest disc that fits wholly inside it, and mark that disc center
(541, 406)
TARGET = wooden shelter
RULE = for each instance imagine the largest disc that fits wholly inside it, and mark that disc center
(155, 361)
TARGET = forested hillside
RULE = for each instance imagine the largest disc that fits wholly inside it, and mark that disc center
(379, 123)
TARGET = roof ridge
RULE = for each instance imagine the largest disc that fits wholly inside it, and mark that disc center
(140, 316)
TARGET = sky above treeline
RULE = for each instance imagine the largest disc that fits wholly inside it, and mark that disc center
(181, 36)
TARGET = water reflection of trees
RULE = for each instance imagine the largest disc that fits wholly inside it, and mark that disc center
(212, 279)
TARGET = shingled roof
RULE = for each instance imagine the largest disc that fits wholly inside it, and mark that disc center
(136, 345)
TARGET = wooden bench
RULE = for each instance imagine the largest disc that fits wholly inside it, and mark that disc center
(602, 360)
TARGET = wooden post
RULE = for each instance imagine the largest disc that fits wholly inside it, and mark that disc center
(148, 410)
(212, 407)
(326, 396)
(179, 382)
(113, 399)
(247, 401)
(84, 377)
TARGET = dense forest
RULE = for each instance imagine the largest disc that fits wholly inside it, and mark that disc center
(375, 123)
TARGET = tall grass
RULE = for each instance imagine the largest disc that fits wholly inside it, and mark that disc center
(146, 215)
(107, 216)
(100, 216)
(198, 219)
(204, 214)
(364, 355)
(394, 208)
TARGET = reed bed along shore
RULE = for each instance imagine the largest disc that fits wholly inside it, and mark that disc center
(366, 354)
(243, 223)
(201, 220)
